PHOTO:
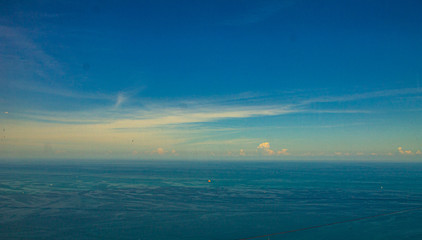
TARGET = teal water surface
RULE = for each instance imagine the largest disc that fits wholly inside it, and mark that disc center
(175, 200)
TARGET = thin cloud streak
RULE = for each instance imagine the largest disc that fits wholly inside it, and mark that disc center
(152, 114)
(121, 98)
(196, 116)
(17, 40)
(362, 96)
(38, 87)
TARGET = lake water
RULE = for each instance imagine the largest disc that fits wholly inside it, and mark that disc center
(175, 200)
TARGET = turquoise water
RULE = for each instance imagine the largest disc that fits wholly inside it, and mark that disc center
(174, 200)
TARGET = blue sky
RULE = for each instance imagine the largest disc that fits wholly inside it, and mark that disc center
(287, 80)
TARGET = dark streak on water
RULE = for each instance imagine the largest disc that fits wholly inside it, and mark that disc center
(168, 200)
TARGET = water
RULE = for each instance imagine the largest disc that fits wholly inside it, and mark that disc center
(174, 200)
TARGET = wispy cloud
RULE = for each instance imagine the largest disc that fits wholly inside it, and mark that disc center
(39, 87)
(162, 116)
(125, 96)
(36, 71)
(150, 113)
(362, 96)
(175, 112)
(121, 98)
(29, 53)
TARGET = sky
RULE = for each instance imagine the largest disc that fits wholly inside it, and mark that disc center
(211, 80)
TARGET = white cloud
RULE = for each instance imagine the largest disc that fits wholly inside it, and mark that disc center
(264, 148)
(159, 151)
(242, 152)
(264, 145)
(418, 152)
(174, 152)
(283, 152)
(404, 152)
